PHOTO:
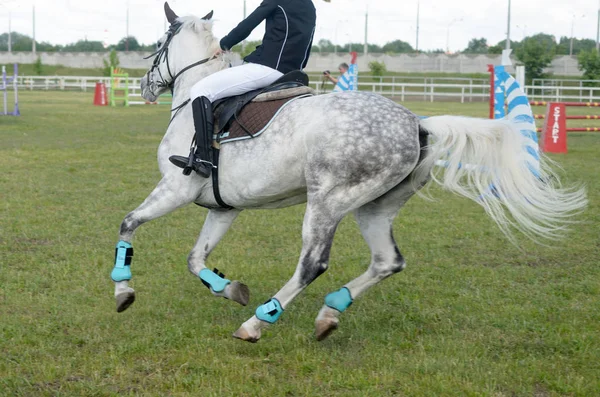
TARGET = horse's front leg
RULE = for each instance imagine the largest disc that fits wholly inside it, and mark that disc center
(165, 198)
(215, 226)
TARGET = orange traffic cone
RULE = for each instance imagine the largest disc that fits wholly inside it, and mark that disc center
(100, 95)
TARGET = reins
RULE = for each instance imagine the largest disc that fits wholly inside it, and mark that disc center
(178, 108)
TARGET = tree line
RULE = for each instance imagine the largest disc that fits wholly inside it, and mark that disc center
(21, 42)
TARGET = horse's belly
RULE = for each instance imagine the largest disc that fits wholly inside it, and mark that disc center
(262, 179)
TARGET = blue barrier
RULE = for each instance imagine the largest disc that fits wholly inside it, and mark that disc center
(508, 91)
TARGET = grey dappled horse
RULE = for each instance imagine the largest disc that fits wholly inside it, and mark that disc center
(341, 153)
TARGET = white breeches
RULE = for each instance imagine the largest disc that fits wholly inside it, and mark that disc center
(234, 81)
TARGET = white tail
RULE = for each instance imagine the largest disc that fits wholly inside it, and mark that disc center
(498, 176)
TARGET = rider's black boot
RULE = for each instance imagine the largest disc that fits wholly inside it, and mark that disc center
(200, 157)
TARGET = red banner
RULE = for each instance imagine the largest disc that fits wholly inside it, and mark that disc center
(554, 133)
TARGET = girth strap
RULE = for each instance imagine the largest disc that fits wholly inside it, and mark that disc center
(215, 180)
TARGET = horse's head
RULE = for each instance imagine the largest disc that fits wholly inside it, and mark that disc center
(189, 40)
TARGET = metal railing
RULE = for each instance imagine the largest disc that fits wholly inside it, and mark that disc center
(431, 89)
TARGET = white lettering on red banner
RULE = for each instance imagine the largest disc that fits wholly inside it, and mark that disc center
(555, 126)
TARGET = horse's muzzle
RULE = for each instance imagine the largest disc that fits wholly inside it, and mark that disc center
(147, 91)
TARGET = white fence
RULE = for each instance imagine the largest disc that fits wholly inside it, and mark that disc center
(425, 89)
(413, 79)
(69, 83)
(423, 92)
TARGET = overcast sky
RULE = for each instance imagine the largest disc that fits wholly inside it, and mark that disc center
(442, 22)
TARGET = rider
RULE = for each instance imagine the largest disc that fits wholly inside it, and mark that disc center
(286, 45)
(343, 69)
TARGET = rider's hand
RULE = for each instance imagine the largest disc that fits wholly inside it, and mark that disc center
(218, 52)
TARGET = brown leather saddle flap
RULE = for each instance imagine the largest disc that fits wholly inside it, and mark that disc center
(256, 115)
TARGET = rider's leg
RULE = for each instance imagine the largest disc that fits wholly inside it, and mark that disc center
(200, 158)
(227, 82)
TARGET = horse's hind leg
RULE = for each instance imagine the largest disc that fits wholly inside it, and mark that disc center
(215, 226)
(318, 229)
(164, 199)
(375, 222)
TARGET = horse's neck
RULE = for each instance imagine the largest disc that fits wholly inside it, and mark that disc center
(181, 92)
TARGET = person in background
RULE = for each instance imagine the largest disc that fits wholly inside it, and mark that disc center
(343, 80)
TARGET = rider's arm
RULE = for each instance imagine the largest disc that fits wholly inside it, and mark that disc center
(331, 78)
(243, 30)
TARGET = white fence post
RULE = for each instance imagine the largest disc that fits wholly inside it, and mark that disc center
(470, 90)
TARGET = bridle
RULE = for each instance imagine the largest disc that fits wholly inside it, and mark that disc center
(162, 55)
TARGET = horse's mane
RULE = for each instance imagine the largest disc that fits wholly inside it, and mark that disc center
(203, 29)
(198, 24)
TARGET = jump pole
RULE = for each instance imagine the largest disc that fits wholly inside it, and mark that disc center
(577, 104)
(4, 88)
(492, 89)
(5, 113)
(581, 117)
(564, 116)
(116, 77)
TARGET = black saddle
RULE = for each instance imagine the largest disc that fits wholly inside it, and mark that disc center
(226, 109)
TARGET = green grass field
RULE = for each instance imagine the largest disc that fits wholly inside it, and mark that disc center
(470, 315)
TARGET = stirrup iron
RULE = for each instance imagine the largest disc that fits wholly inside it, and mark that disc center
(188, 164)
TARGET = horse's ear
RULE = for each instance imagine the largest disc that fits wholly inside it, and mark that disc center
(208, 16)
(171, 16)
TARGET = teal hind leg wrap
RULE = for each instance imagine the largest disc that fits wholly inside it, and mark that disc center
(269, 311)
(123, 255)
(213, 280)
(339, 300)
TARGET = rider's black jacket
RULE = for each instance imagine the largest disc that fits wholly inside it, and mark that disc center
(290, 26)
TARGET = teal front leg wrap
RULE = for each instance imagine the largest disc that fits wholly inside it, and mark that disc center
(123, 255)
(339, 300)
(213, 280)
(269, 311)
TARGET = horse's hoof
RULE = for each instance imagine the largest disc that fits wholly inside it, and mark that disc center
(124, 300)
(325, 327)
(242, 334)
(239, 293)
